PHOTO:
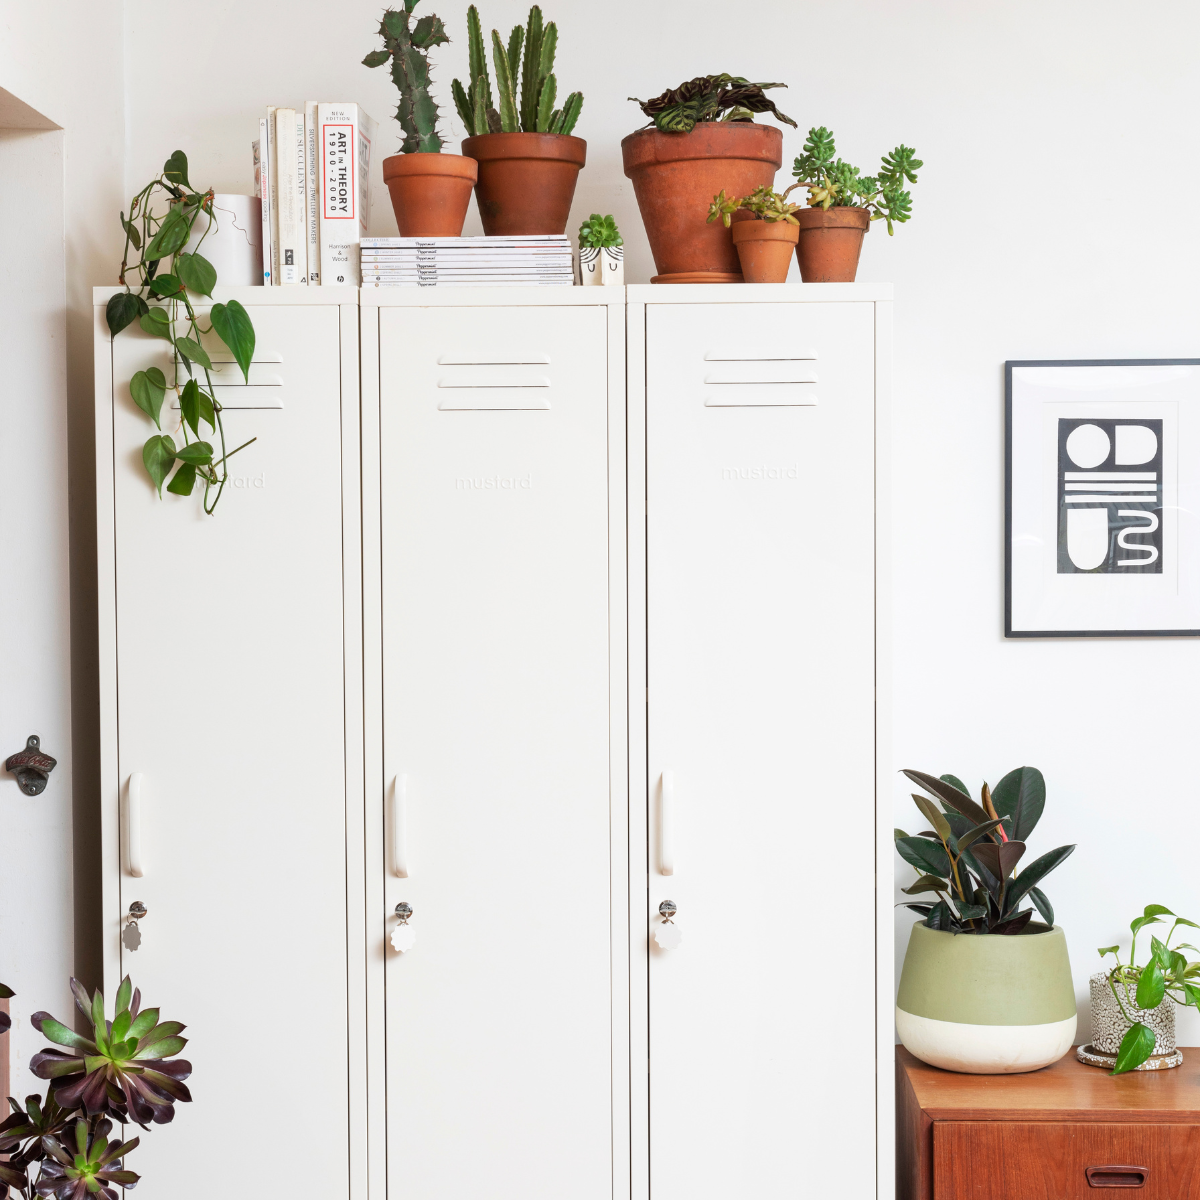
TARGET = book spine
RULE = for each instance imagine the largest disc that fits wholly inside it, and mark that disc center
(366, 141)
(301, 200)
(272, 197)
(312, 216)
(264, 176)
(291, 245)
(339, 194)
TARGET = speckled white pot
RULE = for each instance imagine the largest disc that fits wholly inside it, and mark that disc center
(1109, 1026)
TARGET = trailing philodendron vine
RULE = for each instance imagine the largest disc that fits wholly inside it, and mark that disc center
(407, 46)
(122, 1071)
(529, 58)
(1167, 976)
(160, 237)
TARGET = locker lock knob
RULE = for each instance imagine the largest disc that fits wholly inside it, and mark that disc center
(404, 911)
(667, 909)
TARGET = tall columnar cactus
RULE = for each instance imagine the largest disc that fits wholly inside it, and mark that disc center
(408, 46)
(527, 105)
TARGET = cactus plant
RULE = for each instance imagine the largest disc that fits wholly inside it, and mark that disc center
(407, 46)
(527, 106)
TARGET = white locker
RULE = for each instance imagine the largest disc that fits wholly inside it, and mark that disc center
(231, 693)
(756, 412)
(494, 506)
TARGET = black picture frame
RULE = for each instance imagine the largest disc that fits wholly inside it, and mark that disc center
(1009, 366)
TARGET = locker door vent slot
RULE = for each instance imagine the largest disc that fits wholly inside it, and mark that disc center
(742, 356)
(526, 360)
(761, 372)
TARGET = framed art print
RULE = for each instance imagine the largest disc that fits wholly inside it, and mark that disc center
(1102, 496)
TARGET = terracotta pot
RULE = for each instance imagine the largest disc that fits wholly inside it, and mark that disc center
(430, 192)
(526, 180)
(830, 243)
(676, 175)
(765, 249)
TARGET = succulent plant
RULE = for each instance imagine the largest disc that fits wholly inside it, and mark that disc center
(93, 1165)
(122, 1066)
(529, 54)
(407, 46)
(710, 98)
(833, 183)
(764, 202)
(598, 232)
(970, 856)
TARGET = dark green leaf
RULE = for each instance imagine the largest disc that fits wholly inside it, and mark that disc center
(1151, 986)
(1192, 993)
(190, 349)
(1042, 904)
(923, 909)
(157, 323)
(57, 1032)
(1136, 1046)
(6, 992)
(166, 285)
(954, 781)
(184, 481)
(928, 857)
(234, 328)
(999, 857)
(950, 796)
(148, 389)
(197, 453)
(934, 816)
(121, 311)
(163, 1049)
(158, 454)
(1014, 924)
(1160, 951)
(899, 833)
(1020, 796)
(206, 411)
(1035, 873)
(189, 405)
(940, 916)
(927, 883)
(172, 235)
(197, 273)
(971, 912)
(976, 832)
(176, 169)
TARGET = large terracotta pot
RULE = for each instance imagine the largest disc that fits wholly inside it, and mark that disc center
(526, 180)
(430, 192)
(830, 243)
(675, 177)
(765, 249)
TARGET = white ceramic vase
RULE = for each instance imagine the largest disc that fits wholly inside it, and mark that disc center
(234, 245)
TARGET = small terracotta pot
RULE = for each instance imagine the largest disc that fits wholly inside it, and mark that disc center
(675, 177)
(430, 192)
(765, 248)
(526, 180)
(830, 243)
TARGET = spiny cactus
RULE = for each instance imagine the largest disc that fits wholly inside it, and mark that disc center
(528, 107)
(408, 49)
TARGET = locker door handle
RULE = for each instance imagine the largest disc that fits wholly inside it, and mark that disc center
(400, 826)
(133, 825)
(666, 825)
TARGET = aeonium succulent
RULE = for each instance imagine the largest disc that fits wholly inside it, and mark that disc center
(86, 1172)
(123, 1067)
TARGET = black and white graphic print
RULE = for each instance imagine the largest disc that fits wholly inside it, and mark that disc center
(1110, 496)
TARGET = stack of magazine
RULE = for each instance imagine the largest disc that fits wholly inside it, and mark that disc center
(535, 260)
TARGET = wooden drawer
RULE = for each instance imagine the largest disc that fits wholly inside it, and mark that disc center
(1012, 1160)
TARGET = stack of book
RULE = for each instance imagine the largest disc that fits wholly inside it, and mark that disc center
(534, 260)
(311, 169)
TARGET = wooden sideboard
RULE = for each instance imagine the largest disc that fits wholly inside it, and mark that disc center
(1062, 1133)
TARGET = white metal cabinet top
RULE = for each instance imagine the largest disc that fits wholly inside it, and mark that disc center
(756, 293)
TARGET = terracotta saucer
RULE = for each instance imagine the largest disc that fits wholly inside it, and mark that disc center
(699, 277)
(1156, 1062)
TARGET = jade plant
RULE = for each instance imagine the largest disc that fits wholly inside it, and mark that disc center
(598, 232)
(710, 98)
(61, 1146)
(1167, 976)
(969, 858)
(764, 203)
(407, 46)
(160, 238)
(833, 183)
(529, 55)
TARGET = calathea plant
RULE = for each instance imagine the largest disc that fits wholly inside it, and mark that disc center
(765, 203)
(61, 1146)
(407, 46)
(710, 98)
(969, 858)
(1167, 976)
(529, 53)
(833, 183)
(160, 237)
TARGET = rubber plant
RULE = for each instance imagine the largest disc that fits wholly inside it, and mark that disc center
(61, 1146)
(969, 858)
(159, 238)
(1167, 976)
(710, 98)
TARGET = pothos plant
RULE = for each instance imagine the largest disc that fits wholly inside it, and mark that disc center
(969, 858)
(61, 1146)
(159, 237)
(1167, 976)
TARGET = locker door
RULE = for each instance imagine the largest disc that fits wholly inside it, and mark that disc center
(760, 579)
(231, 711)
(496, 709)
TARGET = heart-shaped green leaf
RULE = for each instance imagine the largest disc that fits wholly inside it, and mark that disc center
(1103, 950)
(199, 454)
(158, 454)
(131, 231)
(196, 272)
(1151, 986)
(189, 405)
(176, 168)
(166, 285)
(191, 350)
(122, 310)
(148, 388)
(157, 323)
(1136, 1046)
(172, 235)
(184, 481)
(235, 329)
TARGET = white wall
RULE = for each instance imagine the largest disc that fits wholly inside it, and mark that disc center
(1052, 220)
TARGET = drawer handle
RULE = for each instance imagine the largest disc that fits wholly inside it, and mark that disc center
(1117, 1177)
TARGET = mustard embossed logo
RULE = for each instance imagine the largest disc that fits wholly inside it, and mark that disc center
(761, 472)
(493, 483)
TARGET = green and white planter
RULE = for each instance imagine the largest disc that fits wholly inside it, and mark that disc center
(987, 1004)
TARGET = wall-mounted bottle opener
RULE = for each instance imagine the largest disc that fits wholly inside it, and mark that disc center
(404, 937)
(668, 935)
(131, 935)
(31, 767)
